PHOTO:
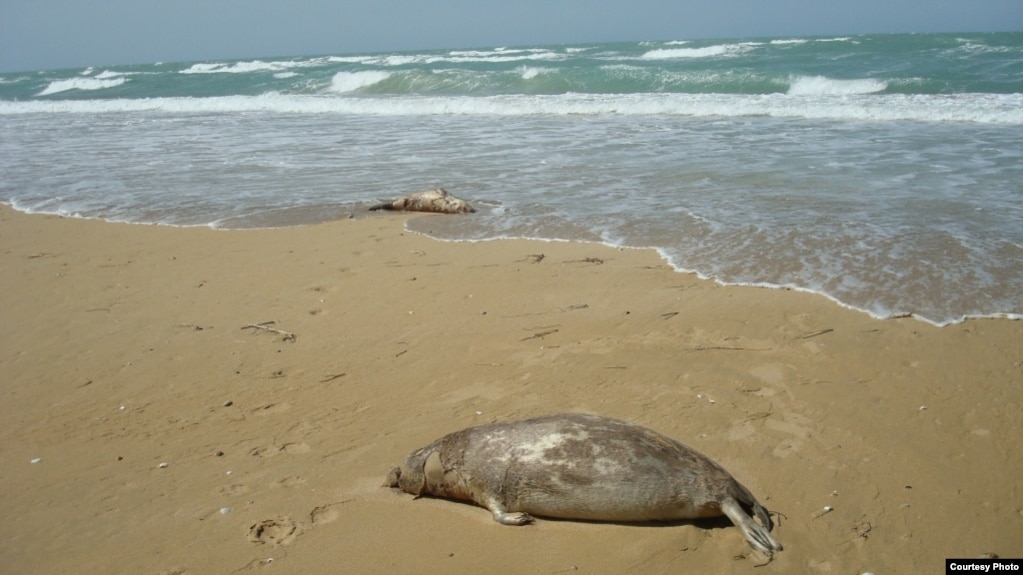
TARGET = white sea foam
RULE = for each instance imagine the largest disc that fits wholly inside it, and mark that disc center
(457, 57)
(58, 86)
(498, 52)
(517, 56)
(351, 59)
(203, 68)
(530, 72)
(345, 82)
(404, 60)
(247, 67)
(981, 108)
(705, 52)
(820, 85)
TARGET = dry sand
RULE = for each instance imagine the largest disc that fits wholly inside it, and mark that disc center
(146, 430)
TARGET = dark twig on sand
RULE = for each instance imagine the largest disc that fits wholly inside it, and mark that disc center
(596, 261)
(533, 258)
(539, 335)
(725, 348)
(265, 326)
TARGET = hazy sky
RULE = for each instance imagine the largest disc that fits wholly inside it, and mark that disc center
(46, 34)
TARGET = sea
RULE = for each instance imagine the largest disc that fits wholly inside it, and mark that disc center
(882, 171)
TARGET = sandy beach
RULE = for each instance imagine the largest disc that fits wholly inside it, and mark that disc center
(186, 400)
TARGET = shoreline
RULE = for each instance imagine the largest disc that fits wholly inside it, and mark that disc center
(348, 211)
(130, 346)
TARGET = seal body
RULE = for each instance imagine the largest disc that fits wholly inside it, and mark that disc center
(437, 200)
(577, 466)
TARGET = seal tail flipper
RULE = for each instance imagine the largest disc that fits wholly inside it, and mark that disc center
(762, 514)
(756, 534)
(384, 206)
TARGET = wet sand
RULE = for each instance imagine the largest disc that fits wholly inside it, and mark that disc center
(154, 422)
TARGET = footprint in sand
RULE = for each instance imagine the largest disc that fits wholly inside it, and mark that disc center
(295, 448)
(236, 489)
(775, 374)
(282, 530)
(264, 451)
(798, 429)
(323, 514)
(275, 531)
(271, 450)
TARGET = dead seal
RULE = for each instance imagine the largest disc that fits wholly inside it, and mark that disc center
(436, 200)
(577, 466)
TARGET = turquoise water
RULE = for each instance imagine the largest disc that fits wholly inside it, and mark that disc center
(925, 64)
(882, 171)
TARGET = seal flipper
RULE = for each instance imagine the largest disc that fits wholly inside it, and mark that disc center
(502, 516)
(433, 472)
(756, 534)
(384, 206)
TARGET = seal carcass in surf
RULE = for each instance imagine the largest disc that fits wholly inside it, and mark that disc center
(436, 200)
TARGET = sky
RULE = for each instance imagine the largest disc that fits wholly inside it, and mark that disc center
(52, 34)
